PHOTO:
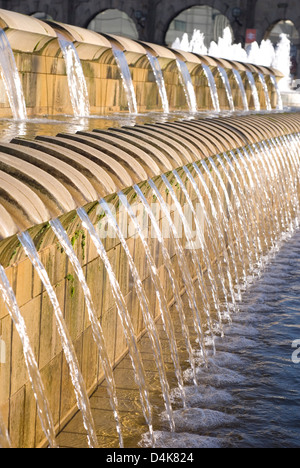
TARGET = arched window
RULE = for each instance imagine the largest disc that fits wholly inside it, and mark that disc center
(114, 21)
(41, 15)
(208, 20)
(287, 27)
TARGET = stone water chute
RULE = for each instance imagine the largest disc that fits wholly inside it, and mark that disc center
(52, 177)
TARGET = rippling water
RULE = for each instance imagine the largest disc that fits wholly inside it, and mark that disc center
(51, 126)
(250, 395)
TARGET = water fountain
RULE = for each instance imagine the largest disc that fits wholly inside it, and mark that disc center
(126, 251)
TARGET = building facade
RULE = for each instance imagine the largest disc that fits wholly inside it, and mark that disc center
(150, 20)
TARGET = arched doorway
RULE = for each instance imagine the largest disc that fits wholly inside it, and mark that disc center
(208, 20)
(287, 27)
(113, 21)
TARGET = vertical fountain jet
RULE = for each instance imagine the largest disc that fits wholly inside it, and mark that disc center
(11, 79)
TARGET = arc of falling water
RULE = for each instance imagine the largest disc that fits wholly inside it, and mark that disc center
(236, 237)
(44, 412)
(195, 259)
(11, 79)
(234, 247)
(255, 192)
(253, 165)
(270, 176)
(159, 78)
(186, 275)
(279, 97)
(212, 241)
(242, 207)
(126, 79)
(76, 79)
(212, 87)
(148, 320)
(293, 162)
(254, 90)
(247, 198)
(225, 80)
(125, 321)
(266, 91)
(216, 229)
(279, 175)
(204, 249)
(186, 82)
(241, 86)
(165, 314)
(98, 336)
(69, 351)
(173, 280)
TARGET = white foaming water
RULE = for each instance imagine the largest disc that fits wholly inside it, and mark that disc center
(264, 54)
(181, 440)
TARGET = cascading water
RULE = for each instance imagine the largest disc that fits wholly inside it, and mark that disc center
(125, 320)
(266, 91)
(225, 80)
(241, 86)
(76, 79)
(159, 77)
(148, 320)
(164, 309)
(277, 90)
(11, 79)
(185, 271)
(252, 83)
(187, 84)
(44, 412)
(96, 327)
(69, 352)
(126, 79)
(172, 276)
(212, 87)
